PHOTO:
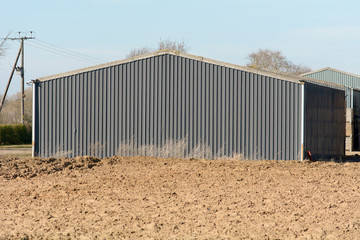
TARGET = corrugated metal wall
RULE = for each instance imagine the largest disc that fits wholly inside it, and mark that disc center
(324, 121)
(350, 82)
(169, 105)
(356, 119)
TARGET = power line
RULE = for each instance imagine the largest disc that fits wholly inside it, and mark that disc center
(62, 54)
(22, 37)
(44, 47)
(53, 46)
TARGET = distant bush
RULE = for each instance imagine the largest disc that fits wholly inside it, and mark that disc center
(15, 134)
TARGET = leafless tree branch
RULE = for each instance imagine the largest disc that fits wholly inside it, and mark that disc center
(173, 45)
(138, 51)
(3, 46)
(275, 61)
(162, 45)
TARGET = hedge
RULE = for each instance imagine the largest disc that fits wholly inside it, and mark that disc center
(12, 134)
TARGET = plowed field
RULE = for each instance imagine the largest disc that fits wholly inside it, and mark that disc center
(145, 198)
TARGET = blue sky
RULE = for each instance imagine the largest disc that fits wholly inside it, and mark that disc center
(314, 33)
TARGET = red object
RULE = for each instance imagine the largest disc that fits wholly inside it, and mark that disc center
(309, 154)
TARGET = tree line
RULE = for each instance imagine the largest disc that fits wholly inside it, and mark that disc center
(264, 59)
(10, 113)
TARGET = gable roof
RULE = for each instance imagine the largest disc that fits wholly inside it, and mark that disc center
(336, 76)
(278, 75)
(331, 69)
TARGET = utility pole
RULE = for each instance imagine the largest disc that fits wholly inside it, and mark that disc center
(11, 75)
(22, 82)
(21, 69)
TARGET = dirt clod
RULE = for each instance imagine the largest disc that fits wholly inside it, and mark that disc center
(31, 167)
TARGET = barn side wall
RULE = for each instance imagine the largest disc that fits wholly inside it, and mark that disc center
(168, 106)
(325, 111)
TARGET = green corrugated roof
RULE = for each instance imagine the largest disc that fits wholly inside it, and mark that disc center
(336, 76)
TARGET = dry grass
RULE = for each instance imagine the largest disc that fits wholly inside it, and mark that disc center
(170, 149)
(173, 149)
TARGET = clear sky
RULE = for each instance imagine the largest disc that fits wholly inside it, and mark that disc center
(316, 33)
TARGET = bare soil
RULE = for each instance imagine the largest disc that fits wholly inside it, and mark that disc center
(157, 198)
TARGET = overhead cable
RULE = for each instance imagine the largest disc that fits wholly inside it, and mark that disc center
(62, 49)
(60, 53)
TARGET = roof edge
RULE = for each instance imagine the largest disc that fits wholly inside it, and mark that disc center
(279, 75)
(98, 66)
(315, 71)
(332, 69)
(324, 83)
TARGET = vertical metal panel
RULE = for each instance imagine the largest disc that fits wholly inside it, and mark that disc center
(35, 118)
(350, 82)
(324, 121)
(356, 119)
(169, 104)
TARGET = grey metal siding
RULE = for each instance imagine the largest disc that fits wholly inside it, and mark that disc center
(324, 121)
(167, 106)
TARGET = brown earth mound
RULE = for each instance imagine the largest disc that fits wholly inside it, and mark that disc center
(144, 198)
(31, 167)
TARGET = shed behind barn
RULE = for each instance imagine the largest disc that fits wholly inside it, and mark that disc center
(351, 82)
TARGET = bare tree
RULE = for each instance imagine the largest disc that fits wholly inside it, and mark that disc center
(138, 51)
(3, 45)
(162, 45)
(173, 45)
(10, 113)
(275, 61)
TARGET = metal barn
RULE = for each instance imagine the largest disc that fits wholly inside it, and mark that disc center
(351, 82)
(173, 104)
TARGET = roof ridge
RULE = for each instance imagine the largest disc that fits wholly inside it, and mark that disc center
(264, 72)
(280, 75)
